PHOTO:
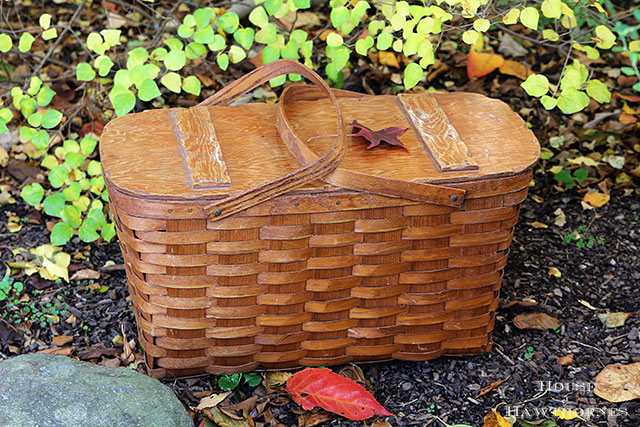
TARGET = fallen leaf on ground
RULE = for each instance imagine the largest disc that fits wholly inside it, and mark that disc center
(61, 340)
(64, 351)
(481, 64)
(212, 400)
(490, 387)
(277, 379)
(519, 305)
(354, 373)
(586, 304)
(560, 219)
(223, 420)
(380, 423)
(566, 414)
(85, 274)
(565, 360)
(389, 135)
(553, 271)
(494, 419)
(309, 419)
(537, 224)
(516, 69)
(388, 58)
(597, 200)
(322, 387)
(618, 383)
(541, 321)
(613, 320)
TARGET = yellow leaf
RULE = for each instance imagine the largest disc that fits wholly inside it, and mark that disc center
(597, 200)
(212, 401)
(388, 58)
(565, 414)
(587, 304)
(553, 271)
(277, 379)
(45, 21)
(550, 35)
(552, 8)
(529, 17)
(481, 25)
(634, 46)
(537, 224)
(511, 17)
(599, 8)
(501, 421)
(470, 36)
(583, 159)
(605, 38)
(13, 227)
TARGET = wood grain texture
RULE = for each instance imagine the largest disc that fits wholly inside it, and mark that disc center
(442, 140)
(200, 148)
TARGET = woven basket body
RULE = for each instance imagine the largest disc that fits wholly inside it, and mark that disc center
(317, 275)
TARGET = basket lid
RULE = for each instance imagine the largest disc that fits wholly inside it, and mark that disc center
(229, 149)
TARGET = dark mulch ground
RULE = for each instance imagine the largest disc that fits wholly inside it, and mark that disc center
(606, 276)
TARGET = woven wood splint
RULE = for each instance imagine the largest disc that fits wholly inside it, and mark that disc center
(247, 247)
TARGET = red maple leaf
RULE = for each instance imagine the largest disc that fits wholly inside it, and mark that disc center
(375, 137)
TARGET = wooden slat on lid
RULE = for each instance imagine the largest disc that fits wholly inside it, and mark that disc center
(441, 139)
(200, 148)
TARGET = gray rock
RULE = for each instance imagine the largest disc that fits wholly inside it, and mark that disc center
(48, 390)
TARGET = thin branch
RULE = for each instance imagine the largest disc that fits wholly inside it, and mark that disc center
(523, 37)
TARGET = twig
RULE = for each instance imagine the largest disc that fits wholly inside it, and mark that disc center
(507, 358)
(588, 346)
(59, 39)
(169, 16)
(523, 37)
(564, 67)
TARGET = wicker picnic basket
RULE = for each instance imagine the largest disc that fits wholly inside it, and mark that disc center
(247, 247)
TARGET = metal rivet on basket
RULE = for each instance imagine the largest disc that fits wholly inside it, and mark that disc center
(170, 210)
(338, 202)
(454, 198)
(217, 212)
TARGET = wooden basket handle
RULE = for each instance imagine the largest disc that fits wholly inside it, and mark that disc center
(310, 171)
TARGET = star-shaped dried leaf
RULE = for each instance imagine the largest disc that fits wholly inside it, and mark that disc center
(389, 135)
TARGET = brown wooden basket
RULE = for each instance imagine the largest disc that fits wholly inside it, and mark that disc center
(239, 258)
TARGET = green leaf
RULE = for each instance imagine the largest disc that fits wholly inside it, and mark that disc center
(72, 192)
(72, 215)
(481, 25)
(236, 54)
(61, 233)
(339, 55)
(58, 176)
(172, 81)
(121, 80)
(267, 34)
(302, 4)
(49, 34)
(49, 162)
(258, 17)
(272, 6)
(35, 119)
(45, 21)
(339, 16)
(536, 85)
(571, 101)
(95, 43)
(70, 146)
(94, 168)
(87, 231)
(229, 382)
(363, 45)
(580, 174)
(218, 43)
(290, 51)
(27, 133)
(105, 196)
(5, 43)
(185, 31)
(108, 231)
(253, 380)
(223, 61)
(189, 20)
(87, 145)
(552, 8)
(605, 36)
(41, 139)
(384, 41)
(334, 40)
(111, 37)
(54, 204)
(123, 101)
(270, 54)
(74, 160)
(45, 96)
(412, 75)
(244, 37)
(98, 216)
(529, 17)
(6, 115)
(204, 35)
(202, 16)
(34, 85)
(192, 85)
(148, 90)
(82, 203)
(26, 40)
(103, 64)
(84, 72)
(195, 50)
(32, 193)
(174, 44)
(598, 91)
(175, 60)
(229, 22)
(158, 53)
(548, 102)
(51, 118)
(137, 56)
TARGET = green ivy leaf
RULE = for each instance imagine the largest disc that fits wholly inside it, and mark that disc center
(98, 216)
(82, 203)
(87, 231)
(88, 145)
(334, 40)
(412, 75)
(244, 37)
(105, 196)
(218, 43)
(72, 192)
(202, 16)
(223, 61)
(72, 215)
(571, 101)
(94, 168)
(384, 41)
(290, 51)
(121, 80)
(41, 139)
(191, 85)
(95, 43)
(158, 53)
(548, 102)
(185, 31)
(123, 100)
(108, 231)
(74, 160)
(70, 146)
(175, 60)
(172, 81)
(26, 40)
(363, 45)
(204, 35)
(259, 17)
(45, 96)
(267, 34)
(174, 44)
(339, 16)
(536, 85)
(195, 50)
(32, 193)
(148, 90)
(272, 6)
(54, 204)
(339, 55)
(270, 54)
(236, 54)
(58, 176)
(103, 64)
(34, 85)
(49, 162)
(229, 22)
(84, 72)
(137, 56)
(35, 119)
(51, 118)
(598, 91)
(5, 43)
(61, 233)
(111, 37)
